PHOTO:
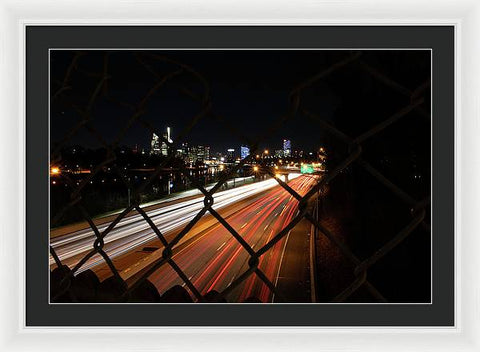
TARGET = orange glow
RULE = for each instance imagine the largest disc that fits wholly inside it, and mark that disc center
(255, 168)
(54, 170)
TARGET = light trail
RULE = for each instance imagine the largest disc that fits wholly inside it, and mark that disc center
(214, 268)
(133, 231)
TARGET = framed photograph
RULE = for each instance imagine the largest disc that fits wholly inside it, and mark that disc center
(295, 181)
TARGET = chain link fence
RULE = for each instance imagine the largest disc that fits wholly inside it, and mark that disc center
(72, 284)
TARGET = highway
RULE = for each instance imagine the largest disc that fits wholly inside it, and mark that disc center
(134, 231)
(209, 254)
(214, 258)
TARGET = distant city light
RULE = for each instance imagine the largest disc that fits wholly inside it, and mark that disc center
(54, 170)
(244, 151)
(287, 147)
(255, 168)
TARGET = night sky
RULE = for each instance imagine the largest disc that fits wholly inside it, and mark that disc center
(249, 89)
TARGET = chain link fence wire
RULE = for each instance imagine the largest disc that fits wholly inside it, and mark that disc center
(72, 284)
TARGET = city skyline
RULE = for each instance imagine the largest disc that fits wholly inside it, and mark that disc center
(157, 146)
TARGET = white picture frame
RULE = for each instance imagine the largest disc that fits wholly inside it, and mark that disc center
(463, 14)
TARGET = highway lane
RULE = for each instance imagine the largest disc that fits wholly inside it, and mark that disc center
(68, 230)
(133, 231)
(294, 279)
(215, 258)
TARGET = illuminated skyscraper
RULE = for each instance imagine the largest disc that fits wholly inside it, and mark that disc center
(160, 147)
(192, 154)
(164, 144)
(203, 153)
(185, 152)
(244, 152)
(230, 155)
(207, 153)
(287, 148)
(155, 145)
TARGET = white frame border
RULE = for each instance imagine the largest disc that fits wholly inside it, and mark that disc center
(464, 14)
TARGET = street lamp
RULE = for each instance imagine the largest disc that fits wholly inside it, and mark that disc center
(54, 170)
(255, 171)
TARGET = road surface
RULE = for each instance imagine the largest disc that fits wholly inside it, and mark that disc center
(209, 254)
(213, 259)
(133, 231)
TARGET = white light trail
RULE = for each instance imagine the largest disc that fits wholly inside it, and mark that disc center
(134, 231)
